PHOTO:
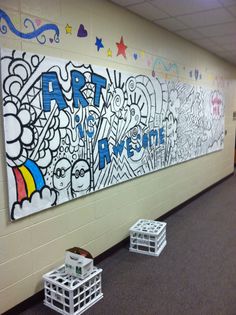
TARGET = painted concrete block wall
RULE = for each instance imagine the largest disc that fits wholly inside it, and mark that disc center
(34, 245)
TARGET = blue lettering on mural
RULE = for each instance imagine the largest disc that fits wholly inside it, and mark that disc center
(90, 126)
(79, 126)
(145, 141)
(130, 151)
(99, 82)
(138, 145)
(104, 153)
(118, 148)
(161, 135)
(153, 134)
(51, 91)
(78, 82)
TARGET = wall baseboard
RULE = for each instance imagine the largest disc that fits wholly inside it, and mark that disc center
(39, 296)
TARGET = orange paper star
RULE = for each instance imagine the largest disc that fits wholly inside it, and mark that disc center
(121, 48)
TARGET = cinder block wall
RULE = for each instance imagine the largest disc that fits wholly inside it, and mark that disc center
(34, 245)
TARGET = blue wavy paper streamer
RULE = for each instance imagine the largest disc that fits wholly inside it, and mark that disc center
(34, 34)
(167, 67)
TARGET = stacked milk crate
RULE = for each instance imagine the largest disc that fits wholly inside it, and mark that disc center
(75, 286)
(148, 237)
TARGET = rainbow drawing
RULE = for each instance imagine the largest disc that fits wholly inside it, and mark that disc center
(29, 179)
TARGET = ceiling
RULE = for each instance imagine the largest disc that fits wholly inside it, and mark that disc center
(210, 24)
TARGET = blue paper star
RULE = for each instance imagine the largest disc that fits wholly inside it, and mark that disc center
(99, 43)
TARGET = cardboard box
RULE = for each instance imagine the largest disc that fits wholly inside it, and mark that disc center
(78, 265)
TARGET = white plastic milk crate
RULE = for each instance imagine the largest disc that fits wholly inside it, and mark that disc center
(148, 237)
(69, 295)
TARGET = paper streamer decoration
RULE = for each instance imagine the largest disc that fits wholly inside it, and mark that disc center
(37, 33)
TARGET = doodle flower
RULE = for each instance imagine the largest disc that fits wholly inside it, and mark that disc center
(18, 133)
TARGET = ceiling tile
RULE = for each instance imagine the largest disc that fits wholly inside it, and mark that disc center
(227, 2)
(205, 18)
(210, 24)
(204, 43)
(232, 9)
(176, 7)
(232, 60)
(148, 11)
(218, 30)
(230, 47)
(227, 54)
(126, 2)
(215, 49)
(211, 46)
(171, 24)
(190, 34)
(224, 40)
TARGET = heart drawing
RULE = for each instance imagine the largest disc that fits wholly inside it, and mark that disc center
(38, 22)
(82, 32)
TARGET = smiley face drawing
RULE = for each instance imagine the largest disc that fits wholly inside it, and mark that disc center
(80, 177)
(61, 174)
(62, 180)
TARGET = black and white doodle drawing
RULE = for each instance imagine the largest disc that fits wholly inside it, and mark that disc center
(72, 129)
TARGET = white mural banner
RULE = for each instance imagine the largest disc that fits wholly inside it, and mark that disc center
(72, 129)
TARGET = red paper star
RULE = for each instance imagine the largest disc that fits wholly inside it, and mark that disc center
(121, 48)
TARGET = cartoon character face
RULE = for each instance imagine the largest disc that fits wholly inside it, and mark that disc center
(61, 174)
(80, 176)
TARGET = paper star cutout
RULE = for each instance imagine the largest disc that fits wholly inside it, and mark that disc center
(142, 53)
(99, 43)
(121, 48)
(68, 29)
(109, 53)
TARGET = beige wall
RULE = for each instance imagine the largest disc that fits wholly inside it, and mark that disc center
(34, 245)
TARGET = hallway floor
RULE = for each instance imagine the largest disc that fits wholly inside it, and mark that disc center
(194, 275)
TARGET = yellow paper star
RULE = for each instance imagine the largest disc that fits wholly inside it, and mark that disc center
(68, 29)
(142, 53)
(109, 53)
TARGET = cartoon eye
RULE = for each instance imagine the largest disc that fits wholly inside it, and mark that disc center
(61, 172)
(80, 173)
(58, 173)
(132, 112)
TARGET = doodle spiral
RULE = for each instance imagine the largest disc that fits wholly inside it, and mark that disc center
(72, 129)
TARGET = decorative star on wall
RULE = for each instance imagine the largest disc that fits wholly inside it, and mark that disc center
(68, 29)
(109, 53)
(142, 53)
(121, 48)
(99, 43)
